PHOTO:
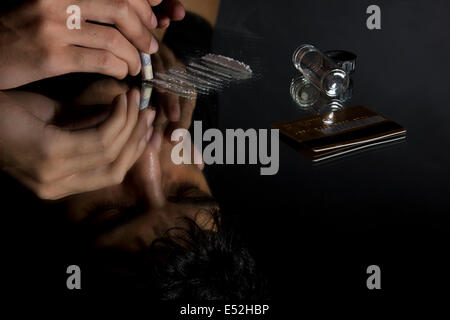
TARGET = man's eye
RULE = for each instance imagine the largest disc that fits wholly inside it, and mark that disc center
(184, 191)
(104, 211)
(192, 195)
(107, 214)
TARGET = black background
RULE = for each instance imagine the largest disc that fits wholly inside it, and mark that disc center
(315, 229)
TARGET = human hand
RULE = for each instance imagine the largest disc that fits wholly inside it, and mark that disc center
(35, 42)
(169, 10)
(55, 162)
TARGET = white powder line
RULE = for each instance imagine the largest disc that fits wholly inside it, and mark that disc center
(212, 78)
(228, 63)
(211, 73)
(172, 88)
(210, 69)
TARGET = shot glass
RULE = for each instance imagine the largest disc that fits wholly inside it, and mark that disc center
(321, 70)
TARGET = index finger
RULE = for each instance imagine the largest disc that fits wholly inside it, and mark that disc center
(125, 17)
(154, 3)
(67, 143)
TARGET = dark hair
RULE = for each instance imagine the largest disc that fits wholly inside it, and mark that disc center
(188, 263)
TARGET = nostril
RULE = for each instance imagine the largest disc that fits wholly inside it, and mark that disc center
(201, 166)
(198, 158)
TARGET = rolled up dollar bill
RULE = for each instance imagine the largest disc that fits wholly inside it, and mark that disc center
(147, 68)
(146, 94)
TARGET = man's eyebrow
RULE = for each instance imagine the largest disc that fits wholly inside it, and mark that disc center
(197, 197)
(209, 201)
(126, 214)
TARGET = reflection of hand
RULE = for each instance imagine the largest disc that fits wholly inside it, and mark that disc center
(177, 111)
(170, 10)
(101, 92)
(187, 107)
(35, 42)
(55, 162)
(164, 60)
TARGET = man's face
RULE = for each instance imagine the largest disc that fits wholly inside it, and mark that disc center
(155, 196)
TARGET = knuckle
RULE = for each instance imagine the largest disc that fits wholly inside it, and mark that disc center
(110, 156)
(44, 28)
(46, 152)
(117, 177)
(103, 141)
(57, 61)
(49, 147)
(39, 175)
(78, 59)
(50, 60)
(121, 70)
(104, 60)
(44, 192)
(43, 174)
(122, 8)
(112, 39)
(121, 74)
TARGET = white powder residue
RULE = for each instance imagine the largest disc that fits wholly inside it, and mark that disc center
(228, 63)
(208, 74)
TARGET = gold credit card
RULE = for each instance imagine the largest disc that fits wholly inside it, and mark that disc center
(341, 131)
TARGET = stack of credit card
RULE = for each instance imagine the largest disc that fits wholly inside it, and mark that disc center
(340, 132)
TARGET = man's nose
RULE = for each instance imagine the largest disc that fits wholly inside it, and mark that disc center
(194, 155)
(146, 174)
(197, 154)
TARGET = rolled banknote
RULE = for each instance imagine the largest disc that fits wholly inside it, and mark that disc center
(147, 69)
(146, 94)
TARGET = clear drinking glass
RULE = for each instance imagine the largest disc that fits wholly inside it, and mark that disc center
(303, 92)
(320, 70)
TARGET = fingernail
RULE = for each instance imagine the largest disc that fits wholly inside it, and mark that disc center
(150, 118)
(175, 112)
(149, 134)
(142, 143)
(157, 142)
(138, 99)
(154, 21)
(153, 45)
(139, 67)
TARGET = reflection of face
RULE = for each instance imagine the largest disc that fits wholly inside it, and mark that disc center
(155, 196)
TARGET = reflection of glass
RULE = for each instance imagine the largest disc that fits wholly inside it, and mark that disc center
(328, 110)
(303, 92)
(320, 70)
(309, 98)
(305, 95)
(345, 60)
